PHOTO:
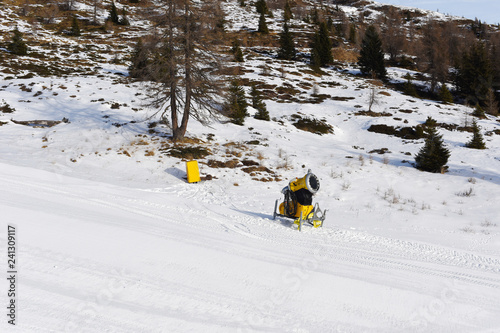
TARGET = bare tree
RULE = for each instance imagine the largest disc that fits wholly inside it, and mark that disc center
(48, 12)
(436, 54)
(491, 104)
(183, 68)
(393, 36)
(96, 5)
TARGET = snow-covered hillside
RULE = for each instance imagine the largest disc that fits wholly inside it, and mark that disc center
(111, 238)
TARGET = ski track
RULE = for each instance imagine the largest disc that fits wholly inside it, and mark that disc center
(257, 238)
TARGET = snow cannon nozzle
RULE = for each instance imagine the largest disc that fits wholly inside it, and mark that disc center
(309, 182)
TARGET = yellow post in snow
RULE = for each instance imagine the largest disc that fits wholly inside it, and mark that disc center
(193, 172)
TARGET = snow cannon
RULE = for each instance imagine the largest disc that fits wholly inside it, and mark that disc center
(297, 202)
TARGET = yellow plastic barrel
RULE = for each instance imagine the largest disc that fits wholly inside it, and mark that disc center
(193, 172)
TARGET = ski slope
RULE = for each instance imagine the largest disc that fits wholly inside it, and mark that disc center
(193, 257)
(111, 238)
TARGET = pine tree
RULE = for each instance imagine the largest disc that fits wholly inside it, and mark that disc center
(321, 47)
(353, 36)
(477, 141)
(75, 27)
(371, 58)
(261, 7)
(140, 61)
(445, 95)
(124, 19)
(287, 49)
(18, 46)
(113, 14)
(474, 74)
(479, 112)
(236, 104)
(433, 156)
(259, 105)
(287, 12)
(263, 29)
(409, 88)
(236, 50)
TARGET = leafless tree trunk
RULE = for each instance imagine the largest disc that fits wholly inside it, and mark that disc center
(183, 68)
(436, 54)
(491, 106)
(96, 5)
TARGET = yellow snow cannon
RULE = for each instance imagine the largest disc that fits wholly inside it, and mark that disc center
(297, 202)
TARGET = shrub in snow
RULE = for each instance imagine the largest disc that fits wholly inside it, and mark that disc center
(18, 46)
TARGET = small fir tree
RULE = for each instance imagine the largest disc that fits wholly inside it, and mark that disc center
(287, 12)
(477, 141)
(113, 14)
(140, 61)
(433, 156)
(287, 49)
(263, 29)
(409, 88)
(75, 27)
(124, 19)
(474, 74)
(371, 59)
(353, 35)
(445, 95)
(479, 112)
(261, 7)
(18, 46)
(259, 105)
(237, 52)
(236, 104)
(321, 47)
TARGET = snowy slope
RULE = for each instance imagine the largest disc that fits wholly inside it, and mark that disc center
(111, 238)
(185, 257)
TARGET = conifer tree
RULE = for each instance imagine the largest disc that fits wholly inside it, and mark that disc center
(113, 14)
(259, 105)
(477, 141)
(236, 50)
(263, 29)
(18, 46)
(433, 156)
(75, 27)
(409, 88)
(353, 36)
(445, 95)
(371, 58)
(479, 112)
(287, 49)
(236, 104)
(140, 61)
(124, 19)
(474, 75)
(321, 47)
(261, 7)
(287, 12)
